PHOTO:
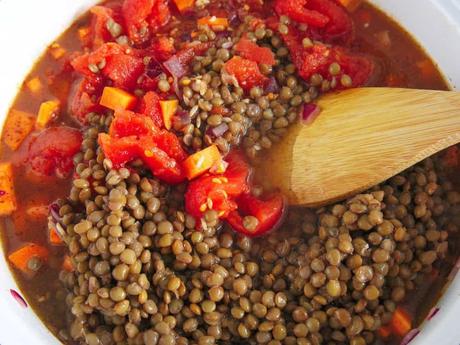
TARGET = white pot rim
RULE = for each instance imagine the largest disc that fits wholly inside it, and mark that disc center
(434, 23)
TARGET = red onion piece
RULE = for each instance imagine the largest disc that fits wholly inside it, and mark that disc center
(181, 119)
(217, 131)
(310, 112)
(54, 211)
(272, 86)
(2, 192)
(175, 67)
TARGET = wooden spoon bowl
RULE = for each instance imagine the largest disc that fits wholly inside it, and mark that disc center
(361, 138)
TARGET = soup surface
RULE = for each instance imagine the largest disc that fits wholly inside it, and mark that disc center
(128, 215)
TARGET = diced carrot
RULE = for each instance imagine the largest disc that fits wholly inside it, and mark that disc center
(17, 127)
(201, 161)
(57, 51)
(67, 264)
(401, 323)
(21, 257)
(168, 109)
(37, 211)
(83, 34)
(183, 5)
(34, 85)
(47, 111)
(54, 237)
(384, 331)
(114, 98)
(214, 22)
(8, 202)
(351, 5)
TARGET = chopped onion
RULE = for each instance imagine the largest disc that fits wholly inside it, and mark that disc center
(310, 112)
(54, 211)
(217, 131)
(181, 119)
(227, 45)
(272, 86)
(228, 79)
(175, 67)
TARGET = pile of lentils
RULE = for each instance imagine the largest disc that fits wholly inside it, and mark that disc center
(221, 113)
(144, 274)
(147, 273)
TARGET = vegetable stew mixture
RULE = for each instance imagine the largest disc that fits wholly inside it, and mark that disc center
(129, 216)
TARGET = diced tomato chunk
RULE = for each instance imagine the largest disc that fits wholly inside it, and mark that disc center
(120, 64)
(134, 136)
(359, 67)
(246, 72)
(163, 48)
(99, 33)
(123, 70)
(160, 15)
(51, 151)
(219, 191)
(127, 123)
(139, 15)
(120, 151)
(162, 165)
(317, 59)
(81, 102)
(250, 50)
(135, 13)
(296, 10)
(268, 212)
(150, 106)
(123, 150)
(340, 28)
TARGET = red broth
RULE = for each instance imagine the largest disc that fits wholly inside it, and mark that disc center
(401, 62)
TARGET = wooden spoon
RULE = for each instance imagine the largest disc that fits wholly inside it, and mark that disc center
(360, 138)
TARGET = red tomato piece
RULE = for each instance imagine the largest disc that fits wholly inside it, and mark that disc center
(123, 150)
(135, 13)
(127, 123)
(119, 151)
(150, 106)
(246, 72)
(81, 62)
(162, 48)
(81, 102)
(250, 50)
(205, 191)
(296, 10)
(123, 70)
(319, 57)
(220, 189)
(160, 15)
(340, 28)
(269, 213)
(140, 14)
(134, 136)
(359, 67)
(51, 151)
(99, 33)
(163, 166)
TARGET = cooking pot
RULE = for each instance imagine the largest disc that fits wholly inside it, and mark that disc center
(27, 27)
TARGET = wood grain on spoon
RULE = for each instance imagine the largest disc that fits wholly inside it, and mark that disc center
(361, 138)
